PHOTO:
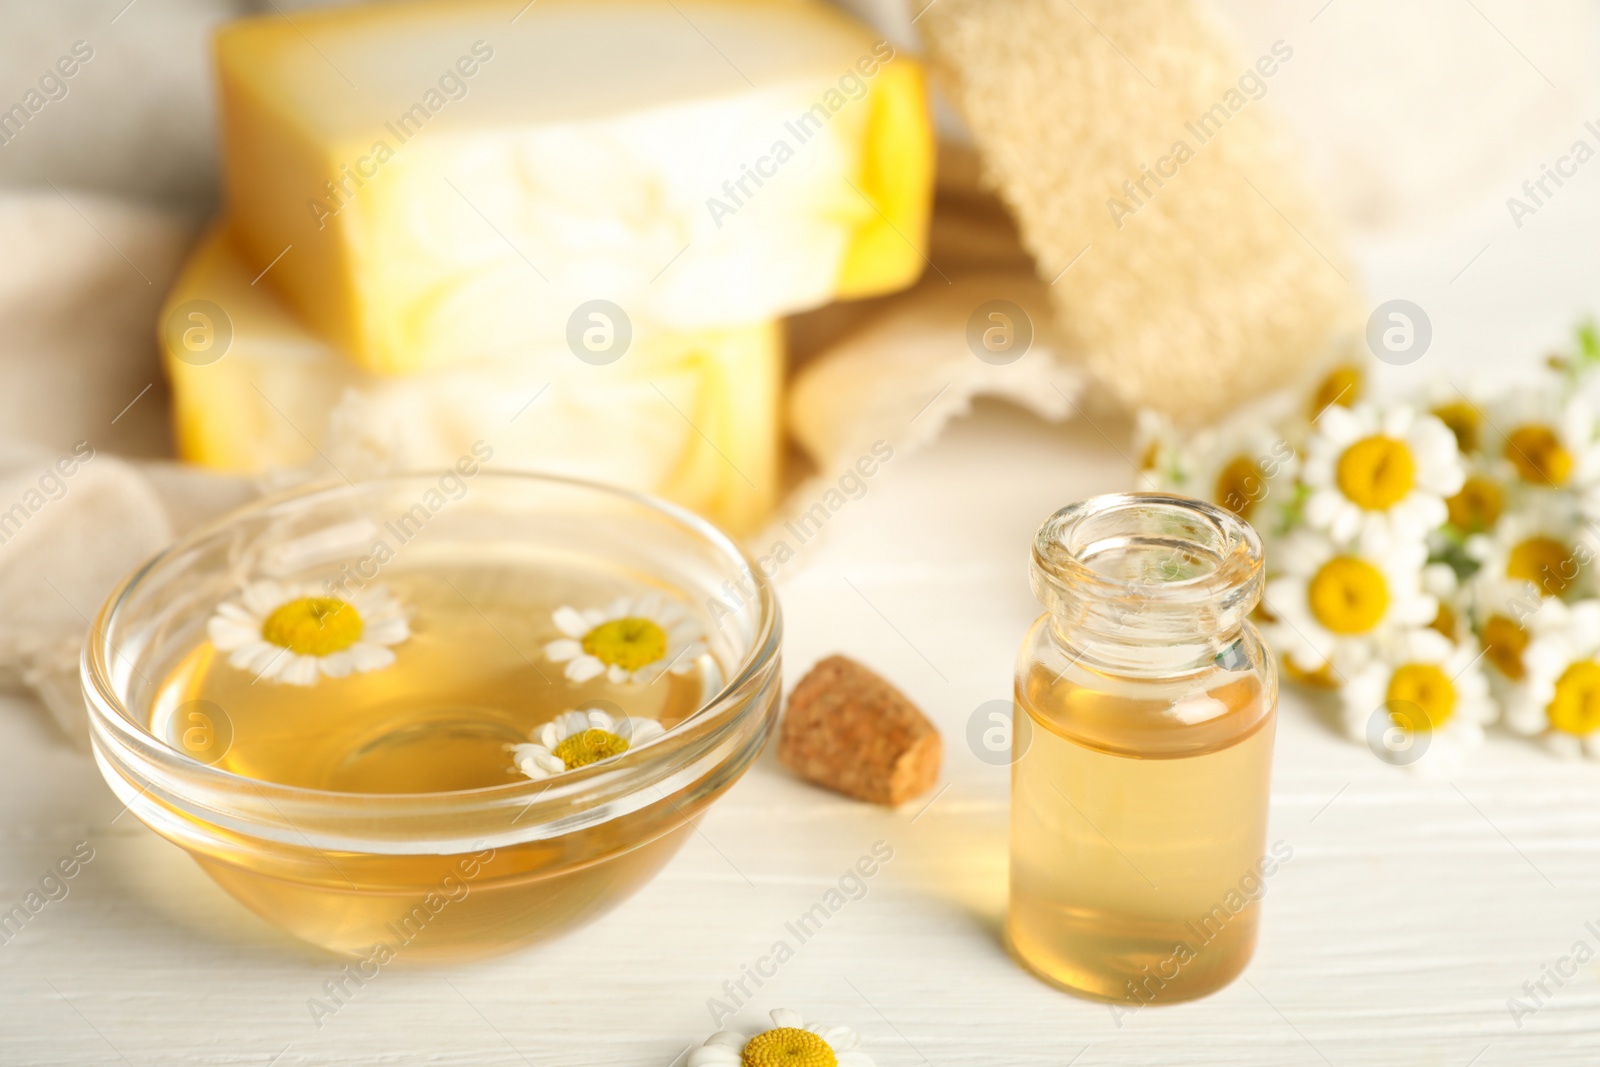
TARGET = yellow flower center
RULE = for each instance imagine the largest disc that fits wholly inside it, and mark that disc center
(1478, 506)
(1241, 485)
(629, 642)
(1342, 386)
(1503, 644)
(1444, 621)
(1348, 595)
(313, 626)
(1420, 688)
(788, 1046)
(1545, 562)
(1575, 709)
(1464, 421)
(1377, 472)
(590, 746)
(1536, 452)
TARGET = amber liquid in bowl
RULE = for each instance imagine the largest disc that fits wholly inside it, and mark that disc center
(470, 681)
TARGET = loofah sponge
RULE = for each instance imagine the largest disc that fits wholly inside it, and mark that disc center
(1189, 264)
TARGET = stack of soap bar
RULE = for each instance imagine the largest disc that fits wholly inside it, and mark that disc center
(435, 182)
(688, 416)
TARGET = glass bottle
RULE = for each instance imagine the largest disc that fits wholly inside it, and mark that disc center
(1146, 706)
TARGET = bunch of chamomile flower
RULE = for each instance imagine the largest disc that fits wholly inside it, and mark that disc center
(1433, 563)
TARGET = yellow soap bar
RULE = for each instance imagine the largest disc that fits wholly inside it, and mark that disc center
(690, 417)
(430, 182)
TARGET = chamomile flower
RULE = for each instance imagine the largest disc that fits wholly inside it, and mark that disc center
(1382, 475)
(1540, 551)
(578, 738)
(1332, 604)
(1558, 697)
(1237, 465)
(631, 640)
(789, 1043)
(297, 633)
(1427, 686)
(1544, 439)
(1342, 386)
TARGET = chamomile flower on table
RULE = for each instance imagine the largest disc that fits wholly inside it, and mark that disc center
(578, 738)
(1382, 475)
(1331, 605)
(1240, 465)
(1426, 686)
(1558, 697)
(1343, 386)
(1544, 438)
(1543, 550)
(633, 639)
(788, 1043)
(296, 633)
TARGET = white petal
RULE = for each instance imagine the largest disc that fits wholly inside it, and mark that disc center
(263, 597)
(727, 1039)
(369, 657)
(597, 719)
(840, 1038)
(299, 670)
(386, 632)
(337, 664)
(689, 659)
(787, 1017)
(583, 668)
(227, 635)
(643, 731)
(569, 723)
(569, 622)
(562, 650)
(616, 675)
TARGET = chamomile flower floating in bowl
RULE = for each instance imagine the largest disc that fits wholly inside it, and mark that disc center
(788, 1043)
(458, 773)
(1381, 475)
(633, 639)
(579, 738)
(296, 634)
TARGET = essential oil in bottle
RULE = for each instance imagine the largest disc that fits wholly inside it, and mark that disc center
(1145, 712)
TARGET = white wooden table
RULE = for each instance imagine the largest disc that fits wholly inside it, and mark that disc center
(1411, 910)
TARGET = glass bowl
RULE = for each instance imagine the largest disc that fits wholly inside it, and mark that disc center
(434, 875)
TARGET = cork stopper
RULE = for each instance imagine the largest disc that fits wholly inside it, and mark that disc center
(849, 730)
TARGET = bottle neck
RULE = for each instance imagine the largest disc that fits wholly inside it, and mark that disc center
(1147, 583)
